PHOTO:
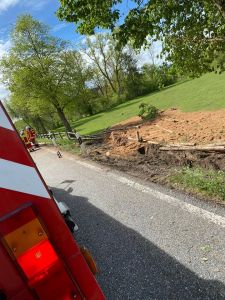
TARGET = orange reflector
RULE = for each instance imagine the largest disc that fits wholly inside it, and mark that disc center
(25, 237)
(89, 259)
(37, 261)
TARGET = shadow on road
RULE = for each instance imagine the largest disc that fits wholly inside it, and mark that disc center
(131, 266)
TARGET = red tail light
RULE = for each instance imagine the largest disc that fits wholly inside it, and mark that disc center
(27, 242)
(37, 261)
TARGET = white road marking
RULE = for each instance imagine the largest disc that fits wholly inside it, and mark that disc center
(202, 213)
(87, 165)
(199, 212)
(21, 178)
(216, 219)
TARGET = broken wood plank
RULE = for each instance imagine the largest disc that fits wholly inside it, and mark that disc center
(194, 148)
(181, 144)
(216, 148)
(216, 144)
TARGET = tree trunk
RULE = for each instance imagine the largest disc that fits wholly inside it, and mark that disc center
(100, 89)
(119, 89)
(111, 84)
(64, 120)
(106, 92)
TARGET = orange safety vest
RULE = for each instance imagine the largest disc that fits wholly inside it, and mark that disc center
(31, 135)
(26, 141)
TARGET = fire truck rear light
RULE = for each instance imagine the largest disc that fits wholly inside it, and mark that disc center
(28, 244)
(37, 261)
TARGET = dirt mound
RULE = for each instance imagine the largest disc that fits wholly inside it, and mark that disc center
(171, 126)
(136, 147)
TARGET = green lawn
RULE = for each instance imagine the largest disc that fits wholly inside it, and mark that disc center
(205, 93)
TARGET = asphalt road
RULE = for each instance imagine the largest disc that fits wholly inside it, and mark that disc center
(149, 243)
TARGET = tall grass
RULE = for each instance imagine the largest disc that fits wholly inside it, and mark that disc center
(209, 183)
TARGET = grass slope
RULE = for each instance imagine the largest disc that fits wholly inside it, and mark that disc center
(204, 93)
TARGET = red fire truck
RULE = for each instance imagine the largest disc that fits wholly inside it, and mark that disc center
(39, 258)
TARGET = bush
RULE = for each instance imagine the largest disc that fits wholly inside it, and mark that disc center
(147, 111)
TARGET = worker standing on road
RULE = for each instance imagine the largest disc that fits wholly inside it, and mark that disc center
(26, 141)
(31, 135)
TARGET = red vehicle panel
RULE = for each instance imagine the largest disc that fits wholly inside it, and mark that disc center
(47, 264)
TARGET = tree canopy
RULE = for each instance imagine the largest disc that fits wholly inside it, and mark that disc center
(112, 64)
(192, 32)
(53, 83)
(40, 68)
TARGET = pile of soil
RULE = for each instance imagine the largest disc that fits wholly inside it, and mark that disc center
(122, 150)
(171, 126)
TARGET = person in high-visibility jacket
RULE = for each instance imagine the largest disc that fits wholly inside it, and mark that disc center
(31, 135)
(26, 141)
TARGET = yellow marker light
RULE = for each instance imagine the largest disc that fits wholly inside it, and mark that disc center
(25, 237)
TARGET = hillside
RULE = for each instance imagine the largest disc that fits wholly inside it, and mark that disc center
(206, 93)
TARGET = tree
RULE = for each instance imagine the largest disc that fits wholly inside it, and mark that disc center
(89, 13)
(100, 82)
(103, 55)
(41, 68)
(37, 114)
(111, 63)
(192, 32)
(133, 79)
(158, 76)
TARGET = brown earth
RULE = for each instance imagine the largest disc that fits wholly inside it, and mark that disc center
(171, 126)
(122, 150)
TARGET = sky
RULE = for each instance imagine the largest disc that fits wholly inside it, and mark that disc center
(44, 11)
